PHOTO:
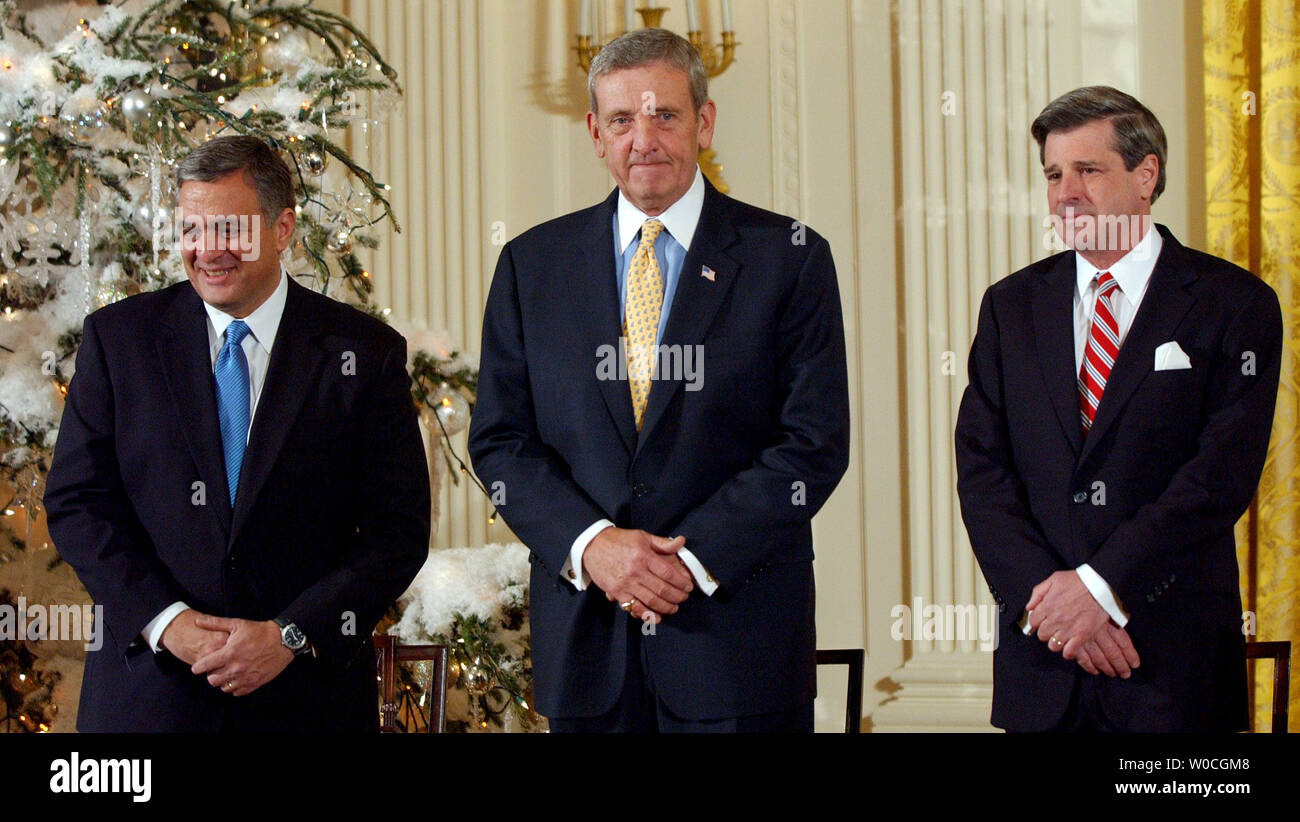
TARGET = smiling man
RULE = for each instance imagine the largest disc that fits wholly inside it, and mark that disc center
(1116, 422)
(668, 523)
(239, 478)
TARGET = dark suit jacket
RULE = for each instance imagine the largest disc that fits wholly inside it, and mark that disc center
(738, 467)
(1175, 455)
(330, 525)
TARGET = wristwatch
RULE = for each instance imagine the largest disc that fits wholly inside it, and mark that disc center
(292, 637)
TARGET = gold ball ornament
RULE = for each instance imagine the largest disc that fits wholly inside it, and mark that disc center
(340, 241)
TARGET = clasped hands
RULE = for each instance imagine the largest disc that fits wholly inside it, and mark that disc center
(1065, 615)
(640, 571)
(237, 655)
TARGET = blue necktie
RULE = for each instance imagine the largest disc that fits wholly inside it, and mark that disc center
(231, 377)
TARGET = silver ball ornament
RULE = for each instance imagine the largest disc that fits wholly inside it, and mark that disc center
(144, 216)
(477, 680)
(314, 162)
(452, 409)
(135, 106)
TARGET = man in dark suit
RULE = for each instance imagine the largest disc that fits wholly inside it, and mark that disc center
(239, 479)
(663, 395)
(1116, 422)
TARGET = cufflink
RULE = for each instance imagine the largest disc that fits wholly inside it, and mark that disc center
(571, 574)
(710, 578)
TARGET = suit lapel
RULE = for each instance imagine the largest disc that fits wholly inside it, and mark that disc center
(1166, 302)
(697, 299)
(596, 306)
(186, 357)
(296, 359)
(1053, 310)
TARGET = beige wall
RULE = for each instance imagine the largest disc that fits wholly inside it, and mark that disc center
(832, 114)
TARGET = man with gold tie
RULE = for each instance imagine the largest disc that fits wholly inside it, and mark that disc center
(667, 509)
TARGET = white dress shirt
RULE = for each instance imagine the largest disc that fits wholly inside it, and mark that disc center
(1133, 273)
(263, 323)
(680, 221)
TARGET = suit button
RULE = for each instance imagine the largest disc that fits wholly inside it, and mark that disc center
(1002, 606)
(1151, 597)
(1080, 497)
(640, 489)
(1172, 578)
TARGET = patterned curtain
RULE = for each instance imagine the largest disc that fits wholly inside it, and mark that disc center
(1252, 119)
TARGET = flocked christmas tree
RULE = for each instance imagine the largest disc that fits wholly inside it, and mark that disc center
(98, 103)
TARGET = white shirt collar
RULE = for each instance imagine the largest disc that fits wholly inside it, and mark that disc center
(1132, 271)
(680, 218)
(263, 322)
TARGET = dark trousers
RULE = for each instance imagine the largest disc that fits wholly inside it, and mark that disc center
(639, 709)
(1084, 715)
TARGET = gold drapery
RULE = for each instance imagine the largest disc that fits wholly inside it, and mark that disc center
(1252, 162)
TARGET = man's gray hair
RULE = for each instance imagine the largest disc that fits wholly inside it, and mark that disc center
(261, 165)
(646, 46)
(1137, 131)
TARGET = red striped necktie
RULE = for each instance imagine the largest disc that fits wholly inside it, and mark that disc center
(1099, 357)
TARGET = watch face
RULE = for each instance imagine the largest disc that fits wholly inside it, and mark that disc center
(293, 638)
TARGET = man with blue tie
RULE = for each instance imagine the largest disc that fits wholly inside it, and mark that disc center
(239, 478)
(663, 397)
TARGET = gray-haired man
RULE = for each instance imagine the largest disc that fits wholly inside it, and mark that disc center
(663, 394)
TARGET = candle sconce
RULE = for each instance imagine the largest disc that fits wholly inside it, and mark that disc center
(717, 59)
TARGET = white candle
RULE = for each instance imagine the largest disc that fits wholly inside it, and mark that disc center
(726, 15)
(584, 17)
(692, 24)
(629, 21)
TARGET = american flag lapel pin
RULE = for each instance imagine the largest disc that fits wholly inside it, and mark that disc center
(708, 273)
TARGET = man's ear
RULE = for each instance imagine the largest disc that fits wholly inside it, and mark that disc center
(593, 128)
(707, 116)
(284, 228)
(1148, 174)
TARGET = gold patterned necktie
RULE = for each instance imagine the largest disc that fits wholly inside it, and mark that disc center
(645, 294)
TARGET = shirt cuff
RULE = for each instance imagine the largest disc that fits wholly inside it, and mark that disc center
(153, 631)
(1102, 593)
(580, 578)
(702, 577)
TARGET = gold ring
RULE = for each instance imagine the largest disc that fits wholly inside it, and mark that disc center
(627, 606)
(230, 685)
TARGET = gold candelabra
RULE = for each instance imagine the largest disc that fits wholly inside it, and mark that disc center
(716, 58)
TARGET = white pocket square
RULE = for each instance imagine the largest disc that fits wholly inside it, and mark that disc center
(1171, 357)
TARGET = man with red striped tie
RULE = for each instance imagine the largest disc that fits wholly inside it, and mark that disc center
(1115, 426)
